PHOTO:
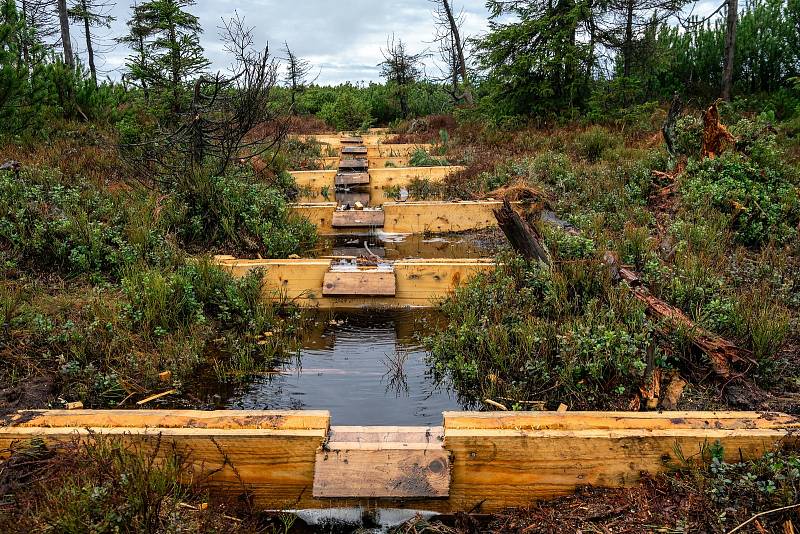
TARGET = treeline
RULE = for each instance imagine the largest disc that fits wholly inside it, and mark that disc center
(547, 59)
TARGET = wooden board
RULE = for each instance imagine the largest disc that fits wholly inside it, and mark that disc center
(382, 470)
(359, 164)
(344, 179)
(419, 283)
(618, 420)
(359, 283)
(352, 140)
(438, 217)
(502, 463)
(358, 219)
(220, 420)
(352, 197)
(352, 150)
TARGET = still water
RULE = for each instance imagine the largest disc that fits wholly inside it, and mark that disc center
(366, 368)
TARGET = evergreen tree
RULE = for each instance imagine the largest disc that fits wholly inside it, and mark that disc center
(91, 13)
(172, 54)
(12, 67)
(537, 55)
(296, 75)
(401, 69)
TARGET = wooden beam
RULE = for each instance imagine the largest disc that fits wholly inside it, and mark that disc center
(419, 283)
(346, 179)
(366, 283)
(496, 461)
(438, 217)
(366, 218)
(354, 164)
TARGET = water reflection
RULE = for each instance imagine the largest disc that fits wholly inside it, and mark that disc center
(366, 368)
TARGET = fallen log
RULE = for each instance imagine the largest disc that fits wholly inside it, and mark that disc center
(523, 237)
(721, 352)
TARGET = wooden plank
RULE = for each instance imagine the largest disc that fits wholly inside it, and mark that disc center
(359, 283)
(352, 140)
(273, 467)
(358, 219)
(495, 469)
(354, 150)
(386, 434)
(382, 470)
(618, 420)
(220, 420)
(419, 282)
(356, 164)
(351, 198)
(344, 179)
(439, 217)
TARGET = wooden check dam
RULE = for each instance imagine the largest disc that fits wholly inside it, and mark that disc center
(470, 461)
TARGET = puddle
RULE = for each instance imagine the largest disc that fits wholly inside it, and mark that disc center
(402, 246)
(366, 368)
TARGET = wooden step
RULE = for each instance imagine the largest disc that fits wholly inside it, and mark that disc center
(352, 141)
(351, 197)
(383, 462)
(355, 151)
(357, 219)
(369, 283)
(360, 164)
(344, 179)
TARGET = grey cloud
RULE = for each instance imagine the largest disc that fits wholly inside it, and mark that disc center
(342, 39)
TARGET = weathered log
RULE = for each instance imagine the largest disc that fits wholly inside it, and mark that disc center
(721, 352)
(668, 129)
(523, 237)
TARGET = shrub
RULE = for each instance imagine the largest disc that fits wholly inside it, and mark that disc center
(762, 202)
(348, 112)
(234, 212)
(591, 144)
(421, 158)
(688, 136)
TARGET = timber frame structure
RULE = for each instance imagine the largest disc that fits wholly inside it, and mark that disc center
(474, 462)
(478, 462)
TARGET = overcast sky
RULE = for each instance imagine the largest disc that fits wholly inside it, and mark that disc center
(342, 39)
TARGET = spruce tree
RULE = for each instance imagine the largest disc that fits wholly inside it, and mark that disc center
(91, 13)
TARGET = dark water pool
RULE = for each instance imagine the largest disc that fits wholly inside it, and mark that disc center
(366, 368)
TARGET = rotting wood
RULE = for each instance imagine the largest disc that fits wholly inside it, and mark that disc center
(721, 352)
(524, 238)
(357, 218)
(716, 136)
(370, 283)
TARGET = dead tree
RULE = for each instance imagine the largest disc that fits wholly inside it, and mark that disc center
(524, 238)
(668, 129)
(91, 13)
(232, 118)
(451, 49)
(731, 23)
(297, 71)
(66, 41)
(722, 353)
(401, 69)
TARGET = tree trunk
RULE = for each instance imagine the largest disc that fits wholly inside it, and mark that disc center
(459, 50)
(66, 41)
(523, 237)
(730, 48)
(25, 44)
(89, 47)
(627, 47)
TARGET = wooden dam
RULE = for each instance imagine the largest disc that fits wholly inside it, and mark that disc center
(473, 461)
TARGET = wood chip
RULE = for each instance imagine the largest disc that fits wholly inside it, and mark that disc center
(562, 408)
(166, 376)
(496, 404)
(77, 405)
